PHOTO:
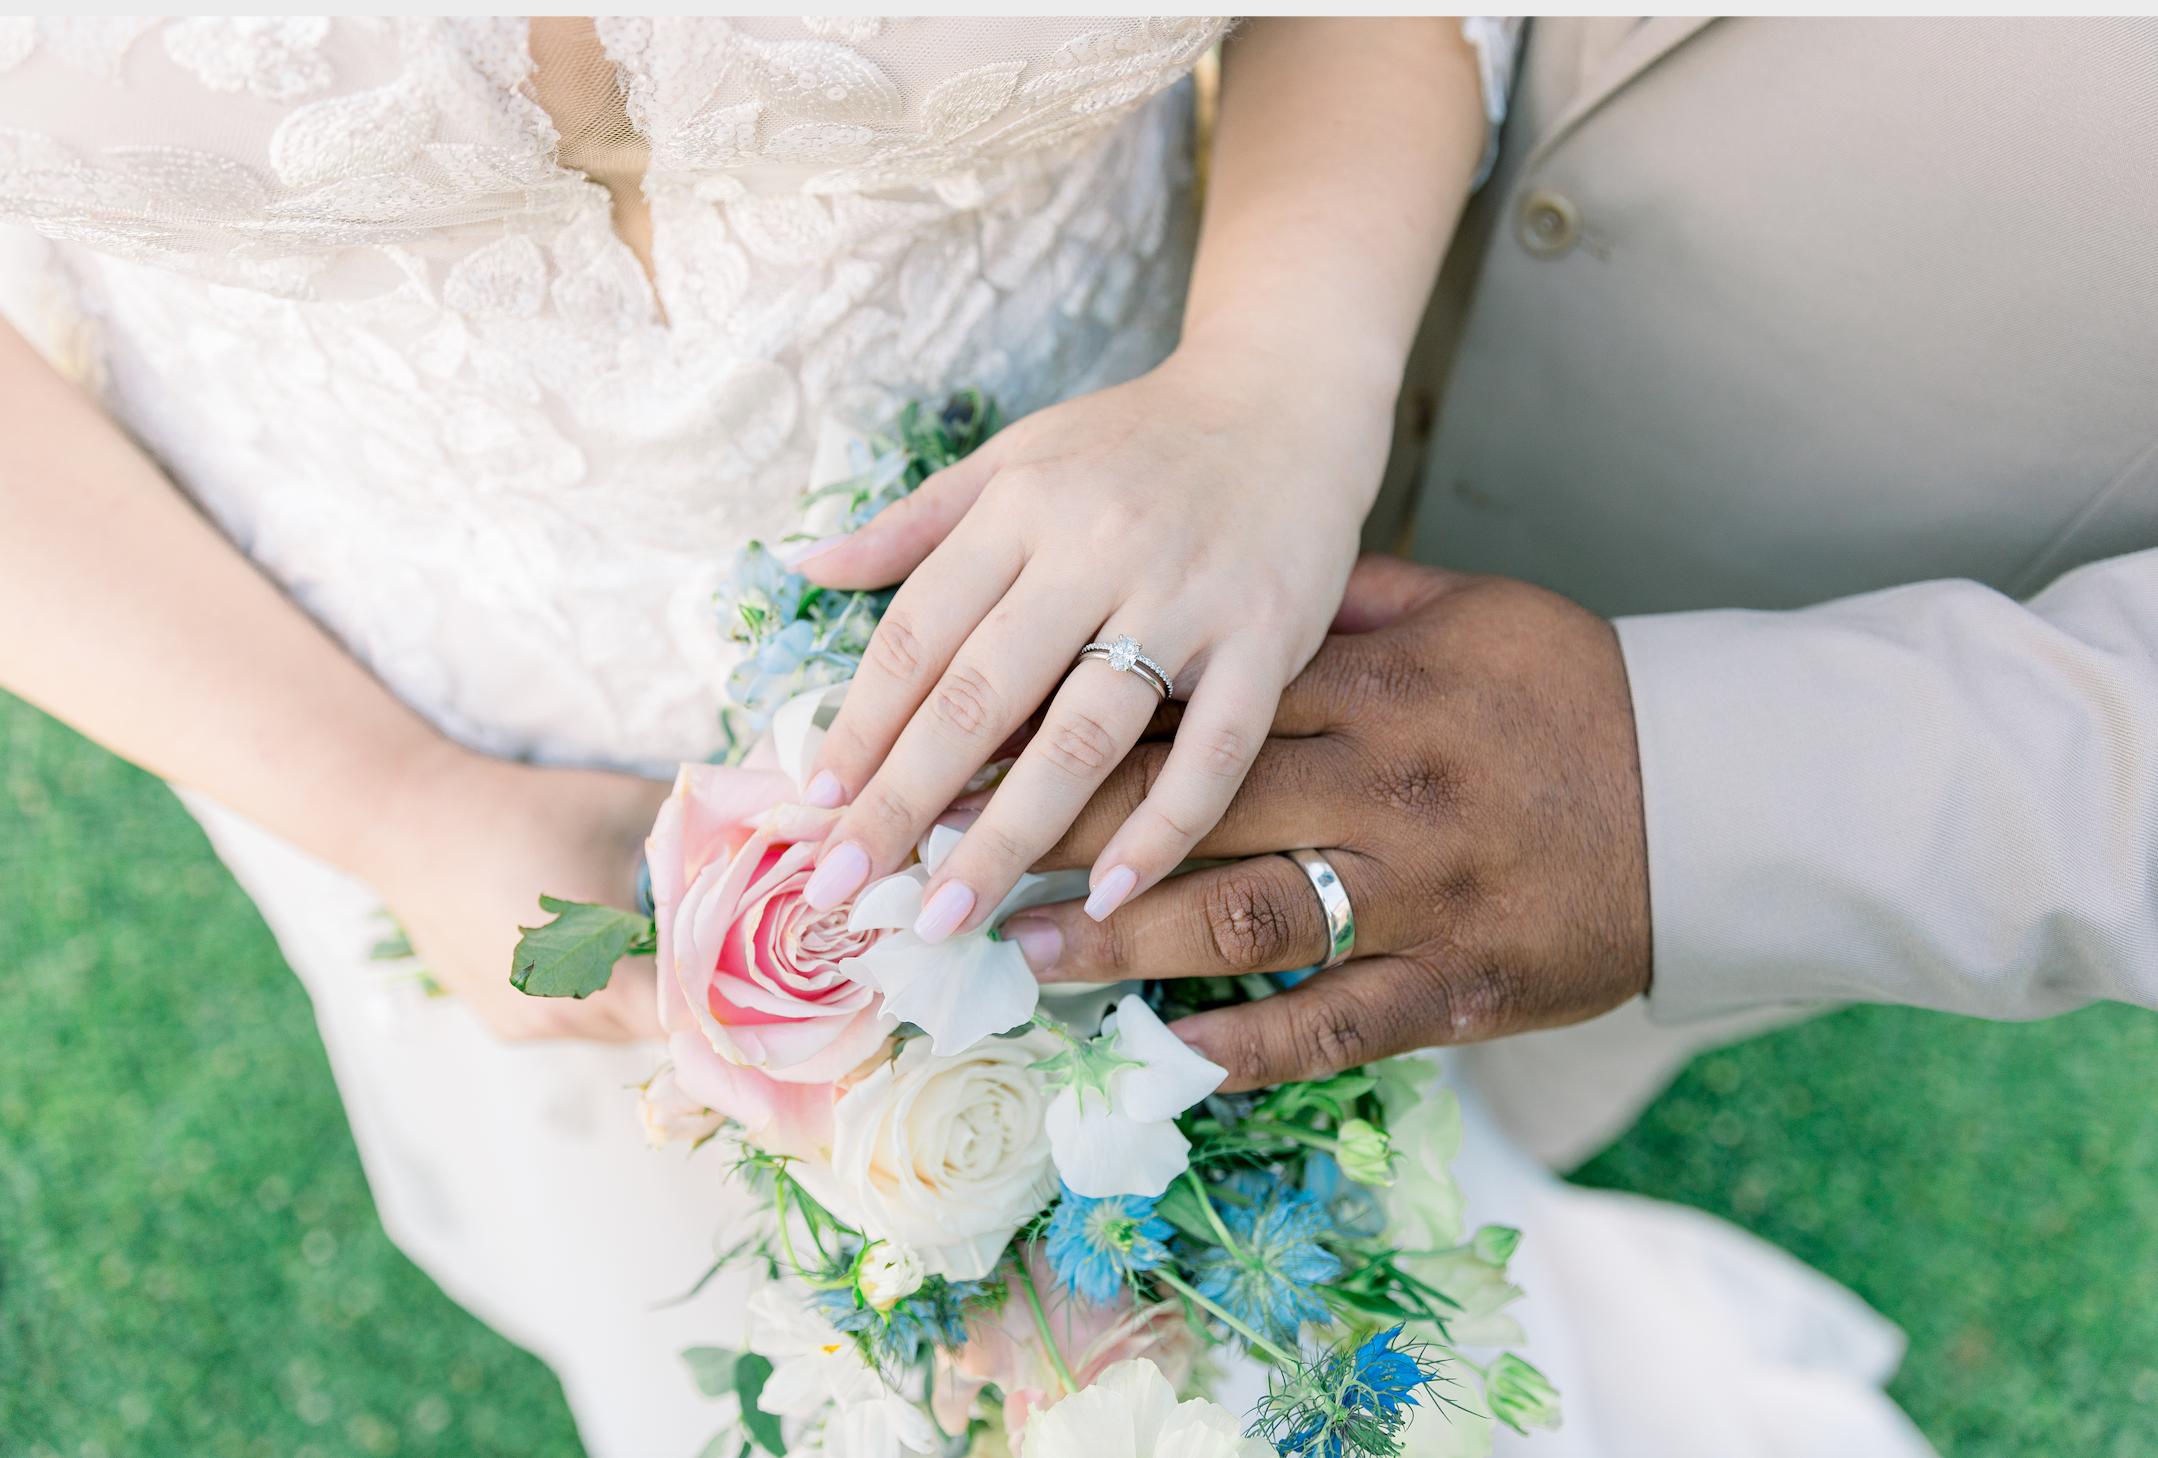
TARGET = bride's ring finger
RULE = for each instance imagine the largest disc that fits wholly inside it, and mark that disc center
(1092, 722)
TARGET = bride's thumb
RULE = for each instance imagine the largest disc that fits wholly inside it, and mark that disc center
(896, 539)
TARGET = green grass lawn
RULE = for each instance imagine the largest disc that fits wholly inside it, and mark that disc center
(189, 1263)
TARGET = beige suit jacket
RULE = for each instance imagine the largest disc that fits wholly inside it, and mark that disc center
(1759, 314)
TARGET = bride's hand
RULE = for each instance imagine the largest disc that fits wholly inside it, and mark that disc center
(464, 852)
(1195, 509)
(1209, 509)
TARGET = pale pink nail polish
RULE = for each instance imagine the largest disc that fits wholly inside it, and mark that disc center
(825, 792)
(844, 870)
(794, 554)
(1110, 894)
(1040, 940)
(949, 907)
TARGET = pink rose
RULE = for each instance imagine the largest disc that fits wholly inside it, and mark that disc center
(782, 1118)
(1006, 1348)
(757, 970)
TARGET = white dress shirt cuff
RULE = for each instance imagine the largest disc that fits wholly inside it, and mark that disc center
(1931, 795)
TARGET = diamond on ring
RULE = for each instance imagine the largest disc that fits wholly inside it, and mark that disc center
(1124, 656)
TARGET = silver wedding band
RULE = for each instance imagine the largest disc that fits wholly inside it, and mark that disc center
(1124, 656)
(1334, 901)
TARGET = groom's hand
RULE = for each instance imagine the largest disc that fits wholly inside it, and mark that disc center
(1463, 753)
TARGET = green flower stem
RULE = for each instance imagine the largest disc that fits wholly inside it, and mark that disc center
(929, 1402)
(1324, 1142)
(1054, 1029)
(1455, 1352)
(1175, 1283)
(1213, 1216)
(786, 1236)
(780, 1186)
(1041, 1322)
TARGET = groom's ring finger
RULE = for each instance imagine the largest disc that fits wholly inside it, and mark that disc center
(1260, 915)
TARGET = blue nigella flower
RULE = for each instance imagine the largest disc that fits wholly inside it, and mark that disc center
(1385, 1375)
(1095, 1245)
(1347, 1405)
(1266, 1282)
(934, 1316)
(1354, 1209)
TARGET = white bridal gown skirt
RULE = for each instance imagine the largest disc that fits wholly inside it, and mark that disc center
(517, 1176)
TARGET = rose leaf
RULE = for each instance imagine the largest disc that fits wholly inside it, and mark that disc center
(749, 1374)
(574, 954)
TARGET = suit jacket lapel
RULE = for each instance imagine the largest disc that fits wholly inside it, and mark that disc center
(1650, 41)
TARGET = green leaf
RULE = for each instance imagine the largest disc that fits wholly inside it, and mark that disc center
(750, 1372)
(713, 1369)
(1334, 1097)
(574, 954)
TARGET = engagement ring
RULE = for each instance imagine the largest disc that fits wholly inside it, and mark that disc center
(1124, 656)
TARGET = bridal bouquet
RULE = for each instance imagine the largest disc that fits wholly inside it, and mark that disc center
(996, 1219)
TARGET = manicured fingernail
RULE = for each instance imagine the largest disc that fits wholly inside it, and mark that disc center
(794, 554)
(946, 909)
(1040, 940)
(1110, 894)
(842, 874)
(825, 792)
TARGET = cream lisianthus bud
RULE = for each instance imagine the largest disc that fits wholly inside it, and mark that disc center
(889, 1274)
(1367, 1155)
(669, 1113)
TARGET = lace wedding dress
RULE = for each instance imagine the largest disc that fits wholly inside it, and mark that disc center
(340, 278)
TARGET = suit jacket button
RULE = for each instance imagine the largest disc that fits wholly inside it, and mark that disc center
(1547, 224)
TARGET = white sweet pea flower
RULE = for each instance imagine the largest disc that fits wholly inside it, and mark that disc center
(889, 1274)
(1131, 1411)
(798, 728)
(964, 988)
(1112, 1128)
(815, 1364)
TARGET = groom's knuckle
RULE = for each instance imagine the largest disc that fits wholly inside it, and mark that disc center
(1113, 949)
(1335, 1035)
(1249, 924)
(1475, 999)
(1376, 679)
(1247, 1047)
(1413, 786)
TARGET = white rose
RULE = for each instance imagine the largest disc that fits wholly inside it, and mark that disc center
(889, 1275)
(948, 1156)
(1131, 1411)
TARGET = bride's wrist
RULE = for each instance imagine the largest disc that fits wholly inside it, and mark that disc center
(427, 788)
(1270, 365)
